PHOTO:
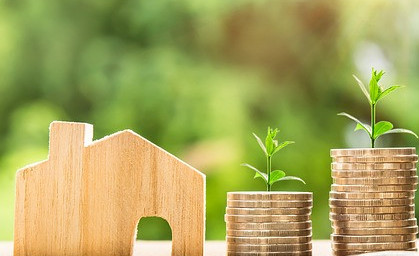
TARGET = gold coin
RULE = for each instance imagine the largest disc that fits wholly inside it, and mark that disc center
(371, 217)
(270, 196)
(359, 253)
(270, 226)
(372, 210)
(268, 247)
(347, 253)
(269, 240)
(376, 159)
(268, 204)
(407, 252)
(268, 211)
(296, 253)
(376, 181)
(264, 233)
(373, 188)
(376, 231)
(372, 195)
(373, 166)
(373, 238)
(374, 224)
(373, 152)
(373, 173)
(374, 246)
(371, 202)
(266, 218)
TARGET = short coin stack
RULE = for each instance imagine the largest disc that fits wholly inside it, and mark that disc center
(269, 223)
(372, 200)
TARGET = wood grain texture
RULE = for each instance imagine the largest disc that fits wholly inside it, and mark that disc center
(88, 197)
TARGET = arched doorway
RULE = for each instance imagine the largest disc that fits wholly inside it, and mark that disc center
(154, 237)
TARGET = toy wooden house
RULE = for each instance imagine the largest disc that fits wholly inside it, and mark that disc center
(88, 196)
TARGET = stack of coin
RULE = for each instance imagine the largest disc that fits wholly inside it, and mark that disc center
(372, 200)
(269, 223)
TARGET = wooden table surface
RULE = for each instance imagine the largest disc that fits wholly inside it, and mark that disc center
(163, 248)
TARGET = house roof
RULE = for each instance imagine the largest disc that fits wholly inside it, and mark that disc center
(105, 139)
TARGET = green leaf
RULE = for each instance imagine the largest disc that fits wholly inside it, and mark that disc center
(380, 88)
(374, 88)
(282, 145)
(275, 176)
(381, 128)
(367, 128)
(274, 132)
(363, 88)
(270, 141)
(257, 175)
(399, 130)
(360, 125)
(292, 178)
(379, 75)
(260, 174)
(388, 91)
(262, 146)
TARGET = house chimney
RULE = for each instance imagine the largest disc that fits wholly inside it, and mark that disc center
(68, 139)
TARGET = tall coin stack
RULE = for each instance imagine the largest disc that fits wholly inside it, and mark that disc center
(269, 223)
(372, 200)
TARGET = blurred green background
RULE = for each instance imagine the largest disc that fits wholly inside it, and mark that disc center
(197, 77)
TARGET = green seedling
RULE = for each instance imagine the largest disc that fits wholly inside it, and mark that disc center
(375, 94)
(270, 148)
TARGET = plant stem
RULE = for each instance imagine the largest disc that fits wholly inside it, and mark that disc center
(372, 125)
(269, 166)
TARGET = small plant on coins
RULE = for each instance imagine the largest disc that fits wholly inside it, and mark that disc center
(375, 94)
(270, 148)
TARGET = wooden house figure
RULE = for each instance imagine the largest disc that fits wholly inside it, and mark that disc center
(88, 196)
